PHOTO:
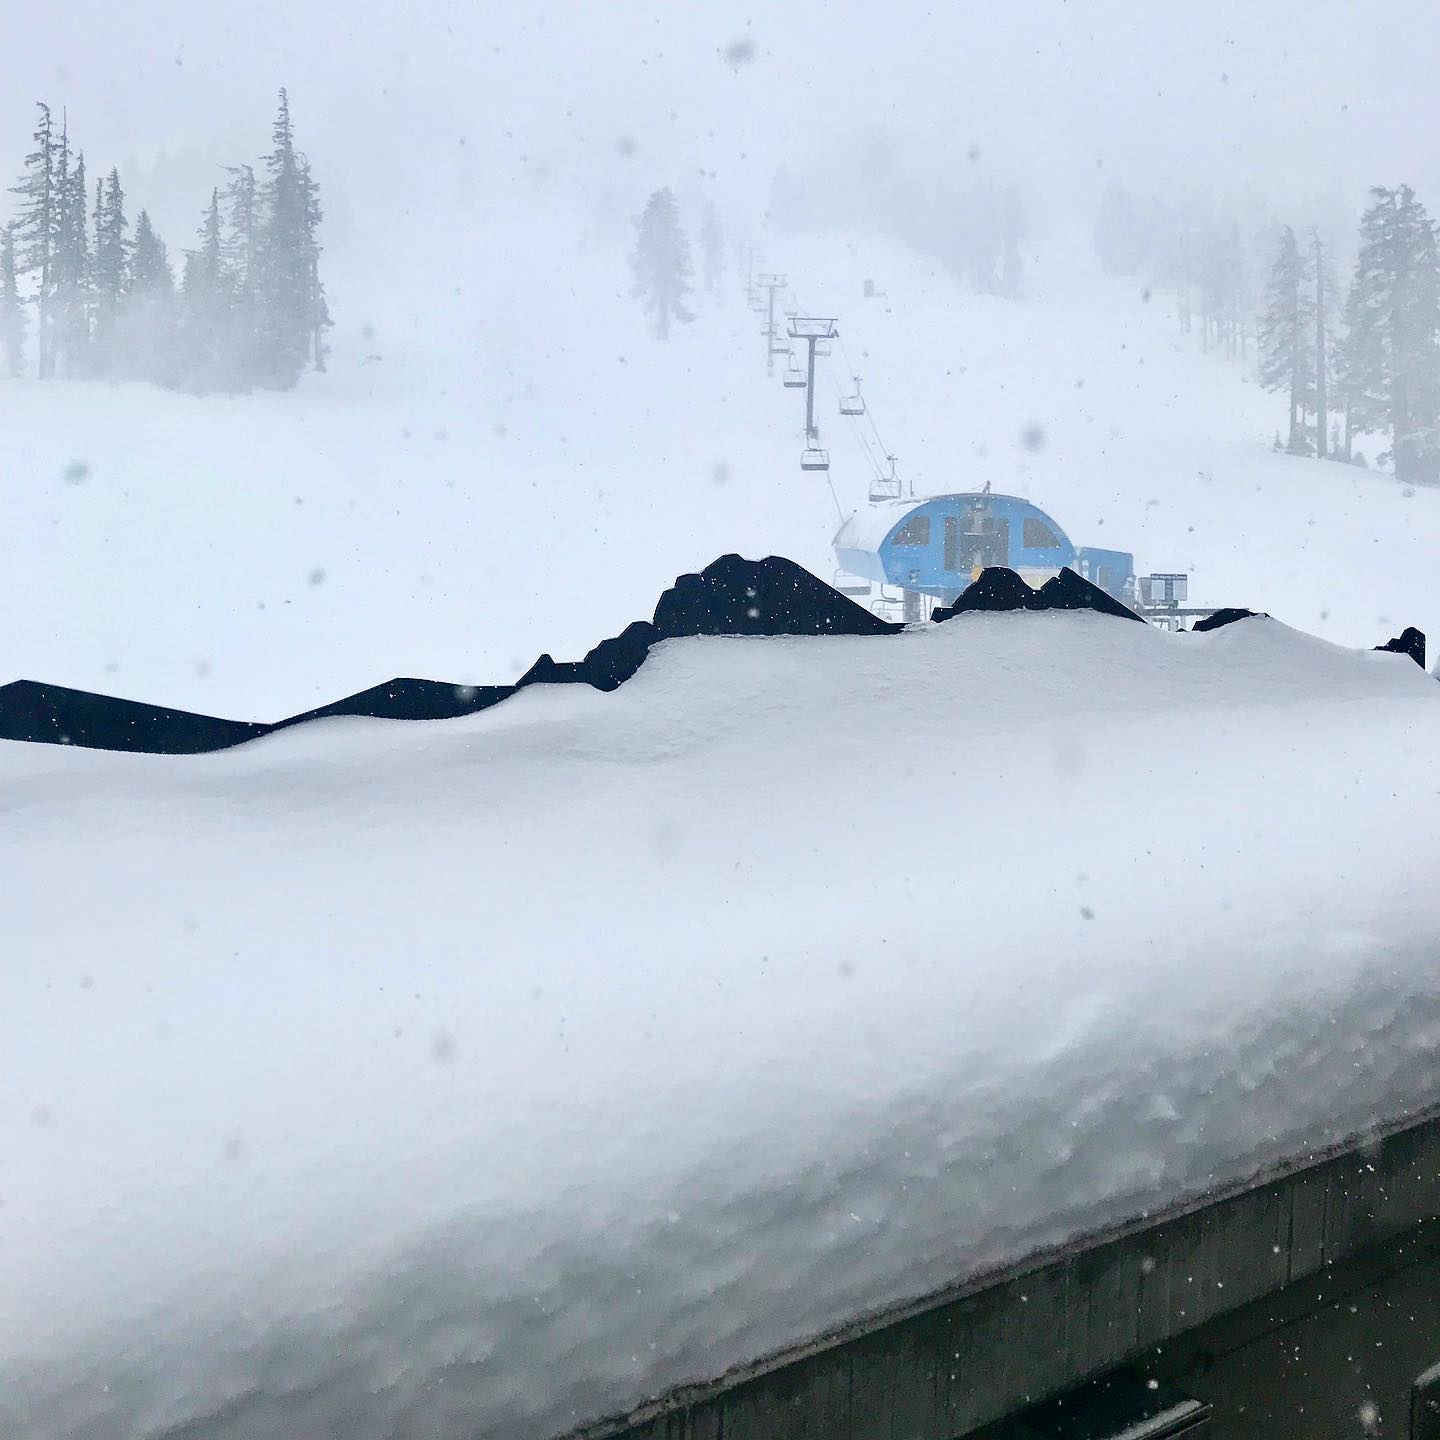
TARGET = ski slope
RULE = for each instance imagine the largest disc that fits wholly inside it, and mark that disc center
(526, 470)
(482, 1077)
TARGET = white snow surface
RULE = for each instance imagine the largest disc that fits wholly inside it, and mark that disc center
(483, 1077)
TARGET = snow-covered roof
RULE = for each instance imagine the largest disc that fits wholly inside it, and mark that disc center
(483, 1077)
(867, 528)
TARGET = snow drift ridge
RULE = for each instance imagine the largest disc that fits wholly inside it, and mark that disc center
(730, 596)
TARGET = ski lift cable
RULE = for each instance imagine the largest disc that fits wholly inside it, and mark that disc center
(865, 446)
(858, 433)
(869, 409)
(877, 470)
(866, 450)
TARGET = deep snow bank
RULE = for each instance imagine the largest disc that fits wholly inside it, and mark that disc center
(479, 1078)
(730, 596)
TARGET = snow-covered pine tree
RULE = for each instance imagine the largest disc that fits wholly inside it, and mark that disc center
(712, 248)
(319, 306)
(661, 263)
(150, 272)
(241, 251)
(207, 337)
(1287, 336)
(12, 312)
(1345, 384)
(60, 261)
(289, 301)
(149, 321)
(1363, 363)
(36, 229)
(1325, 342)
(1392, 347)
(72, 261)
(110, 269)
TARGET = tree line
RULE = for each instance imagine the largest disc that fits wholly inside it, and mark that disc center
(1371, 354)
(976, 230)
(1210, 256)
(86, 295)
(1350, 360)
(975, 225)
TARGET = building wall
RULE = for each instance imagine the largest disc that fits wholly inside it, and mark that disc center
(1333, 1356)
(1213, 1297)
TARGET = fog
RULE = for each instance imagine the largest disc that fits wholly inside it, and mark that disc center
(423, 105)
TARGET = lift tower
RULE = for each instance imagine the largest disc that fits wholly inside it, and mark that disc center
(771, 284)
(812, 331)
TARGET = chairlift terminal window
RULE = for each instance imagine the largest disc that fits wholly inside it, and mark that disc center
(1039, 536)
(915, 531)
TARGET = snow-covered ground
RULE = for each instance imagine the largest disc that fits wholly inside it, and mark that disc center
(480, 1077)
(526, 472)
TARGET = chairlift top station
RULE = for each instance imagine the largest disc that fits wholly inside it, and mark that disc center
(937, 546)
(929, 550)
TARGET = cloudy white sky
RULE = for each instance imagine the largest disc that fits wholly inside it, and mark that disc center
(568, 101)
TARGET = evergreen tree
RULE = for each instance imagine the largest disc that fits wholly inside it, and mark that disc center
(60, 263)
(319, 307)
(290, 309)
(1363, 365)
(37, 226)
(150, 272)
(1392, 348)
(147, 325)
(72, 261)
(1286, 335)
(712, 248)
(253, 308)
(208, 342)
(12, 314)
(110, 269)
(661, 263)
(242, 259)
(1324, 343)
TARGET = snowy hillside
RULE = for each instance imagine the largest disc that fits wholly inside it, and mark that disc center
(526, 472)
(481, 1077)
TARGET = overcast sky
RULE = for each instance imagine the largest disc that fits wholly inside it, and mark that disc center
(565, 101)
